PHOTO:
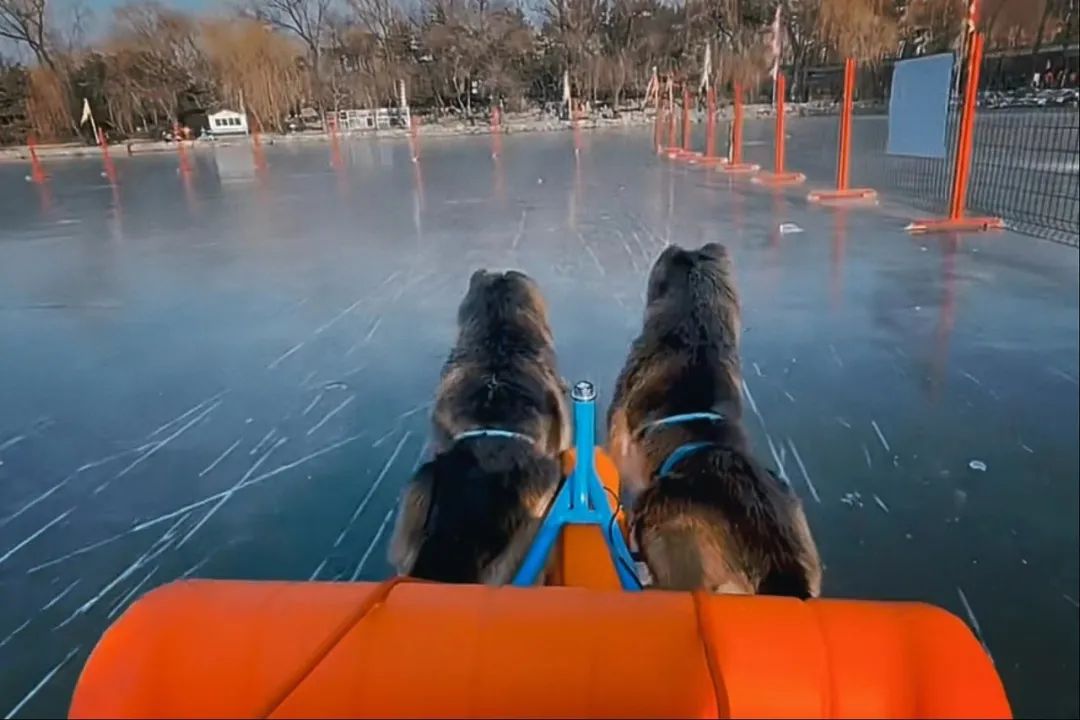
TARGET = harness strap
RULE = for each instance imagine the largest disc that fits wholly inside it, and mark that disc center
(680, 454)
(493, 432)
(679, 420)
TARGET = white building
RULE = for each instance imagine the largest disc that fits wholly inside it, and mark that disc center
(227, 122)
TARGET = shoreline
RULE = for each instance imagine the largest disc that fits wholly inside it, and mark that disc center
(514, 123)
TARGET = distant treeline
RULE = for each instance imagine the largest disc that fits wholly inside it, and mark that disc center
(155, 65)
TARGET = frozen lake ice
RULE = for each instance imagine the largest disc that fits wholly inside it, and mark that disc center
(228, 376)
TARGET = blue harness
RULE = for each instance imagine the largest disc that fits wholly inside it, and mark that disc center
(686, 450)
(493, 432)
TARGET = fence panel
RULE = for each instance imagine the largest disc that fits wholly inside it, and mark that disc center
(1025, 164)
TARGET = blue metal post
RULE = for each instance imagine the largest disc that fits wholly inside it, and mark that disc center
(580, 501)
(584, 397)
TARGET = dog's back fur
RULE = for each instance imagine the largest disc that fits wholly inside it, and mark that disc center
(717, 520)
(470, 513)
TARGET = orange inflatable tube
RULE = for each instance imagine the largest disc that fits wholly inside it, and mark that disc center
(406, 649)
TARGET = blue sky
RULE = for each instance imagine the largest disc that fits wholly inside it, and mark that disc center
(101, 10)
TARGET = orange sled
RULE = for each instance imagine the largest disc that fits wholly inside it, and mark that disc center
(584, 646)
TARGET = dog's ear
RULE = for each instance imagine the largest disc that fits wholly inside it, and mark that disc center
(660, 275)
(477, 277)
(714, 250)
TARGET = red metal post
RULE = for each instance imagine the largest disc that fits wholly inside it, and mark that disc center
(779, 176)
(735, 162)
(37, 172)
(710, 123)
(686, 118)
(778, 145)
(843, 159)
(965, 142)
(737, 128)
(843, 152)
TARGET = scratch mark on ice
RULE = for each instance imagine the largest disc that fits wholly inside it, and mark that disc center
(866, 454)
(11, 442)
(59, 596)
(781, 471)
(197, 566)
(333, 321)
(162, 443)
(42, 683)
(79, 551)
(318, 569)
(186, 414)
(974, 621)
(35, 535)
(757, 369)
(881, 504)
(219, 458)
(265, 439)
(232, 491)
(130, 593)
(371, 547)
(158, 547)
(836, 356)
(281, 358)
(595, 259)
(753, 405)
(520, 231)
(35, 501)
(253, 481)
(881, 436)
(16, 631)
(314, 402)
(331, 414)
(374, 486)
(802, 469)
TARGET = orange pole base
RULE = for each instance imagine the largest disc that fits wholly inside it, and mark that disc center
(963, 224)
(676, 153)
(780, 179)
(843, 196)
(708, 161)
(740, 168)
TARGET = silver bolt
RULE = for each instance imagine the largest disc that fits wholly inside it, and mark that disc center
(583, 392)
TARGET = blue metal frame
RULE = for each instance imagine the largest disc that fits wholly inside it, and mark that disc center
(582, 500)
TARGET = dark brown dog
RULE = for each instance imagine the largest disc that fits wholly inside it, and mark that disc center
(500, 420)
(704, 514)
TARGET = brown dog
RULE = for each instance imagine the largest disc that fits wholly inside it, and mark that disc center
(705, 514)
(500, 420)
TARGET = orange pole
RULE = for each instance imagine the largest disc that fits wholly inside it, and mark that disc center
(180, 149)
(671, 118)
(414, 137)
(106, 159)
(965, 140)
(685, 117)
(737, 128)
(710, 122)
(844, 159)
(496, 130)
(256, 145)
(658, 130)
(37, 172)
(778, 157)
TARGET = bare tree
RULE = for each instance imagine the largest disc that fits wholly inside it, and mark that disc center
(307, 19)
(24, 21)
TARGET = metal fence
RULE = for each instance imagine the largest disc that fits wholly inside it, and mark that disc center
(1025, 163)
